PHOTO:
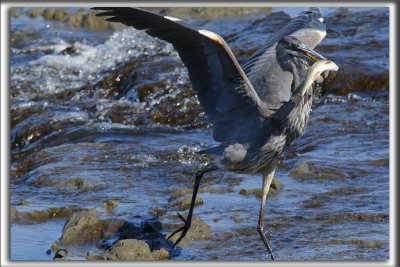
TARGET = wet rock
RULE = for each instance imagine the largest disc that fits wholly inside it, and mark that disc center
(82, 18)
(221, 190)
(76, 19)
(55, 246)
(70, 51)
(18, 40)
(13, 213)
(181, 109)
(246, 231)
(185, 204)
(133, 249)
(119, 81)
(77, 184)
(87, 18)
(130, 249)
(355, 217)
(313, 203)
(217, 219)
(158, 211)
(83, 226)
(329, 198)
(246, 192)
(180, 192)
(61, 253)
(275, 185)
(40, 216)
(35, 12)
(91, 256)
(198, 231)
(379, 162)
(237, 219)
(15, 12)
(37, 126)
(110, 205)
(23, 202)
(362, 79)
(48, 13)
(358, 242)
(149, 231)
(214, 13)
(161, 254)
(93, 23)
(309, 170)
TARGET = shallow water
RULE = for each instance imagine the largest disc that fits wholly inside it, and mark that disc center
(92, 127)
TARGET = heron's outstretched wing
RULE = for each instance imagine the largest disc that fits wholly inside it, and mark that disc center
(271, 83)
(224, 91)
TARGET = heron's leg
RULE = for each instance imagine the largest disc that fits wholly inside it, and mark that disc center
(267, 179)
(188, 220)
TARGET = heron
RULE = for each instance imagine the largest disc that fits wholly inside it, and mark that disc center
(256, 109)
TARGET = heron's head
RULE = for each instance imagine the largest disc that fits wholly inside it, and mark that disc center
(311, 18)
(292, 53)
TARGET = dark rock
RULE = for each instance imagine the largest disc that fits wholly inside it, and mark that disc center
(61, 253)
(70, 51)
(276, 184)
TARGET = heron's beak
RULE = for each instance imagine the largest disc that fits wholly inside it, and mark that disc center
(310, 54)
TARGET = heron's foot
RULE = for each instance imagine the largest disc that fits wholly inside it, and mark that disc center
(184, 229)
(265, 240)
(272, 255)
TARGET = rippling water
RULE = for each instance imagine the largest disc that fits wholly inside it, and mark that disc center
(118, 121)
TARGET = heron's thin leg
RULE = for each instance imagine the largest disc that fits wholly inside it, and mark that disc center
(267, 179)
(188, 220)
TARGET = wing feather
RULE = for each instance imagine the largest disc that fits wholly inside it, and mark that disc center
(224, 91)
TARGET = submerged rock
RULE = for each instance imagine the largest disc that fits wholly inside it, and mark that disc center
(275, 185)
(180, 192)
(310, 170)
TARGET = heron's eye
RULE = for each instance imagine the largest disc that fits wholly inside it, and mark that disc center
(290, 45)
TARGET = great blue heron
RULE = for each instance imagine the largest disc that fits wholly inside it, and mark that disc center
(255, 110)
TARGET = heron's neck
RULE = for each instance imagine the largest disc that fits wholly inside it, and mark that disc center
(300, 75)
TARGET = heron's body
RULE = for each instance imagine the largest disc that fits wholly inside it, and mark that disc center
(255, 110)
